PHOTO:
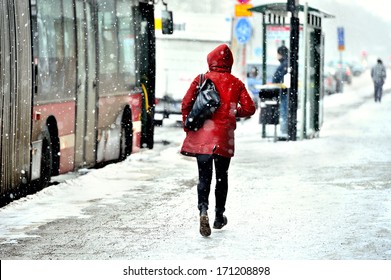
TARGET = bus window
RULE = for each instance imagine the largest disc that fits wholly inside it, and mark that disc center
(55, 50)
(127, 67)
(108, 47)
(69, 42)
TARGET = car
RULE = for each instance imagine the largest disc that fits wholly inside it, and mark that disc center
(332, 82)
(342, 71)
(164, 107)
(357, 68)
(329, 81)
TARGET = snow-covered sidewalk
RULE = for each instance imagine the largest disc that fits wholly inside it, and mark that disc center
(324, 198)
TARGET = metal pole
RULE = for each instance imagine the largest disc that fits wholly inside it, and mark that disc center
(264, 69)
(294, 57)
(303, 99)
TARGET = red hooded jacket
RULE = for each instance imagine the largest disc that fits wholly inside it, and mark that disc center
(217, 136)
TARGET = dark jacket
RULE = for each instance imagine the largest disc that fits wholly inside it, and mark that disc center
(216, 136)
(378, 73)
(281, 71)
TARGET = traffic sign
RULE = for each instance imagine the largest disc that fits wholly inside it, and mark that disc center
(243, 30)
(242, 10)
(341, 38)
(243, 1)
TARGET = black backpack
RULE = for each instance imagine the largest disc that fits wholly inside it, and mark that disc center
(206, 103)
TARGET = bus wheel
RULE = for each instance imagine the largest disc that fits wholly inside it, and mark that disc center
(46, 164)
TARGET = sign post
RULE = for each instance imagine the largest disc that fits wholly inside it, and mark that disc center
(294, 66)
(341, 39)
(242, 9)
(341, 46)
(243, 30)
(243, 33)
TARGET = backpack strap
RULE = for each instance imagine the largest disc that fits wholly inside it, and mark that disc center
(202, 78)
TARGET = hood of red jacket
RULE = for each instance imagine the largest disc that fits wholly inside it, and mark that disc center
(220, 59)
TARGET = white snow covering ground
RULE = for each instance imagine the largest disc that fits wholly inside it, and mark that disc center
(323, 198)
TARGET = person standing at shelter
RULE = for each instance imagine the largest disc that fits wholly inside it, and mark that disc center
(378, 74)
(278, 78)
(252, 82)
(214, 141)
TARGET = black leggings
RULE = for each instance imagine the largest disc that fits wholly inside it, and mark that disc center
(205, 172)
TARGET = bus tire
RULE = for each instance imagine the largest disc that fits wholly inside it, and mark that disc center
(46, 164)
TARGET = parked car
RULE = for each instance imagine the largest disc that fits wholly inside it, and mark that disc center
(342, 71)
(164, 107)
(357, 68)
(329, 81)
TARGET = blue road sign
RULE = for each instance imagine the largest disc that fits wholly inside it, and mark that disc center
(341, 38)
(243, 30)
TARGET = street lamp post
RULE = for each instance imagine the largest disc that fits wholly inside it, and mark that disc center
(294, 66)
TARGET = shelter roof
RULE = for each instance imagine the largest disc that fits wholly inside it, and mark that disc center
(281, 8)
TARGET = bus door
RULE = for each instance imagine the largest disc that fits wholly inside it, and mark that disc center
(146, 60)
(86, 97)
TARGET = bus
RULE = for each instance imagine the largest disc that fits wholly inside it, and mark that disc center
(77, 87)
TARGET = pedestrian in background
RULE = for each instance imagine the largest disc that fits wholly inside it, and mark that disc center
(378, 74)
(278, 78)
(214, 141)
(252, 82)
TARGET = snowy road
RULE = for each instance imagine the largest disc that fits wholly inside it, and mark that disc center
(325, 198)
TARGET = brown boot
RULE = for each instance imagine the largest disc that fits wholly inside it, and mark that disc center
(204, 224)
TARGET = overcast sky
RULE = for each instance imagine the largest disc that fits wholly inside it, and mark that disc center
(377, 7)
(367, 29)
(363, 31)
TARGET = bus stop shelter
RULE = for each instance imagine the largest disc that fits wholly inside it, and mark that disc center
(276, 31)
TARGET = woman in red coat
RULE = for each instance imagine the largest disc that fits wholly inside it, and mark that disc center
(215, 140)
